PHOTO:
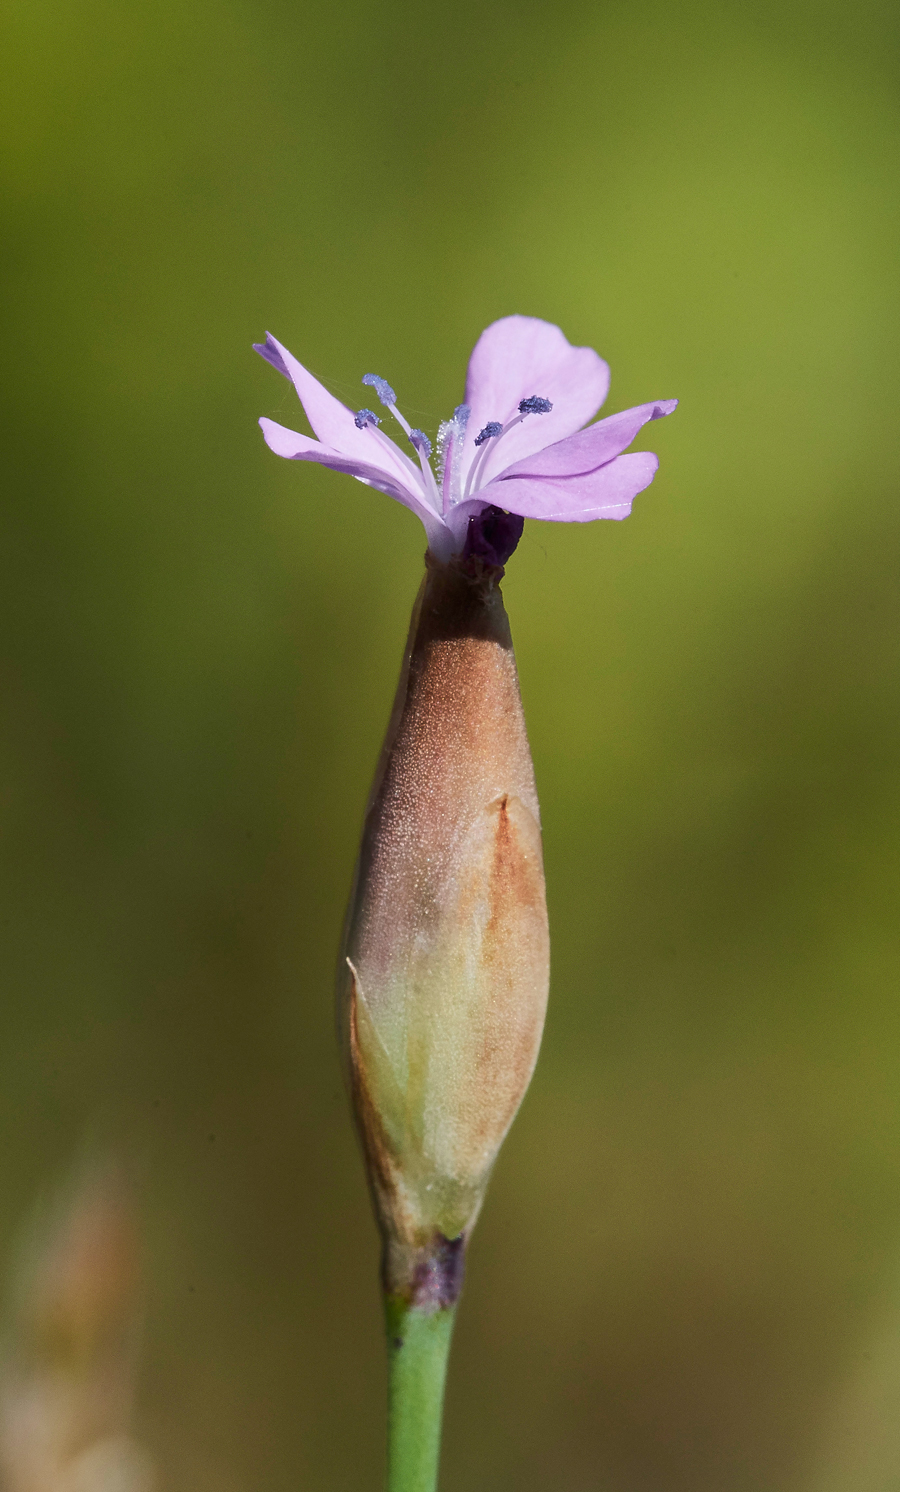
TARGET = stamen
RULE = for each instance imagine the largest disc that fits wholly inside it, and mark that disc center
(492, 431)
(534, 404)
(387, 396)
(418, 437)
(382, 388)
(451, 440)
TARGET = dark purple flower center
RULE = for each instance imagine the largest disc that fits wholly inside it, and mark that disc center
(492, 535)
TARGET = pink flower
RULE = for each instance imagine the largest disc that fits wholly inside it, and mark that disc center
(515, 449)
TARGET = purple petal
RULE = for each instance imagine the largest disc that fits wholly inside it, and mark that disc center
(607, 492)
(334, 423)
(590, 448)
(521, 356)
(269, 350)
(297, 447)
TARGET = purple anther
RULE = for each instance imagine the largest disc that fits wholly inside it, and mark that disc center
(382, 388)
(421, 442)
(492, 429)
(365, 417)
(535, 405)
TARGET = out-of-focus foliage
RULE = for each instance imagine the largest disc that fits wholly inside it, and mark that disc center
(684, 1279)
(68, 1358)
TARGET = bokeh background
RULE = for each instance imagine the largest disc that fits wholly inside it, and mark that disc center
(687, 1276)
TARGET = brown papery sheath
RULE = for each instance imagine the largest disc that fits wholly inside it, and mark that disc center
(445, 967)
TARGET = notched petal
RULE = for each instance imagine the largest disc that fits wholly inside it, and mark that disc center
(272, 354)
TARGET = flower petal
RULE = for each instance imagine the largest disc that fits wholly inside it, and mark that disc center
(607, 492)
(590, 448)
(269, 350)
(334, 423)
(520, 356)
(297, 447)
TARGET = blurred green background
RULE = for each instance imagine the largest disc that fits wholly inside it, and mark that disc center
(687, 1275)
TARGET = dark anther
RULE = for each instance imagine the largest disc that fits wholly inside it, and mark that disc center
(365, 417)
(421, 442)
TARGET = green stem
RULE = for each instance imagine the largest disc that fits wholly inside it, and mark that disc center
(418, 1344)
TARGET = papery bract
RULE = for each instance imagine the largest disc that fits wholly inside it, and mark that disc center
(443, 985)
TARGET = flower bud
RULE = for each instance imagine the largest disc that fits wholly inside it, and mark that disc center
(444, 975)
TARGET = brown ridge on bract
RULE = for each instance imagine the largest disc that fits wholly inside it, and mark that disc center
(516, 886)
(513, 878)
